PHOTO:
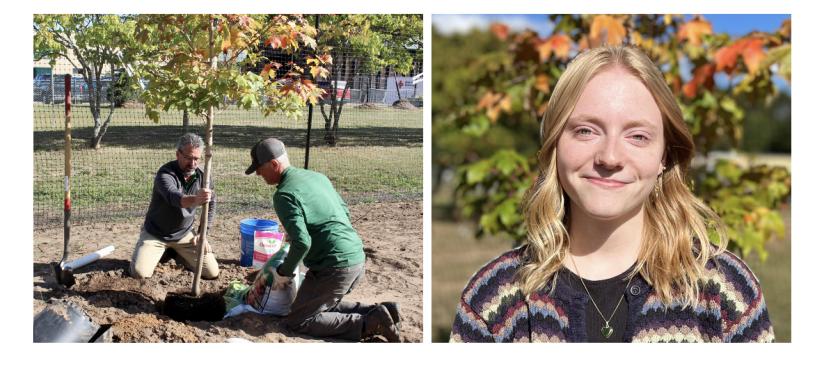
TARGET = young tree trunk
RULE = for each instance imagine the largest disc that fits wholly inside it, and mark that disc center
(367, 91)
(100, 128)
(186, 121)
(329, 132)
(397, 85)
(331, 120)
(205, 182)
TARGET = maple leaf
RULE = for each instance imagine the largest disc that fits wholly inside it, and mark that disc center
(559, 45)
(753, 53)
(494, 103)
(245, 21)
(488, 99)
(750, 49)
(606, 29)
(319, 72)
(266, 70)
(694, 30)
(274, 41)
(308, 40)
(500, 30)
(703, 76)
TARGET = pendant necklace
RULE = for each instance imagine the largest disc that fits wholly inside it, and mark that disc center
(606, 330)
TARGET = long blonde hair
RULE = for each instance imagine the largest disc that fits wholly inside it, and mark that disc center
(675, 239)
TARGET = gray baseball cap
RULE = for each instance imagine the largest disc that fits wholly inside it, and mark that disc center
(264, 151)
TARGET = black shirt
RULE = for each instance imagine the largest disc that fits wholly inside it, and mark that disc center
(606, 293)
(165, 218)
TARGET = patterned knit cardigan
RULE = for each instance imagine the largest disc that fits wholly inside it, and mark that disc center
(493, 309)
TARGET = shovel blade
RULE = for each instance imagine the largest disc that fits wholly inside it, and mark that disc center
(63, 275)
(65, 322)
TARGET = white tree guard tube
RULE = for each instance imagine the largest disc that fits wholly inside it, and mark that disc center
(88, 258)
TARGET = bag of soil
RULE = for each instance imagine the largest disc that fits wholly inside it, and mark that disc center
(266, 244)
(259, 297)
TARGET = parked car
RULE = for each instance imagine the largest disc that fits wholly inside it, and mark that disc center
(340, 92)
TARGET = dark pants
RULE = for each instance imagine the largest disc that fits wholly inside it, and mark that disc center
(318, 310)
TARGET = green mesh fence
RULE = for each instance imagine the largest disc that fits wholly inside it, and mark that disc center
(377, 155)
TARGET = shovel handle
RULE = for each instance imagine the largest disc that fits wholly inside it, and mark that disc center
(67, 165)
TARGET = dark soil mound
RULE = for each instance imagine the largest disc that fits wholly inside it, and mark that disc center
(404, 105)
(368, 106)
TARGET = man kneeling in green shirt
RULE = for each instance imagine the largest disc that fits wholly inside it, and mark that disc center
(317, 224)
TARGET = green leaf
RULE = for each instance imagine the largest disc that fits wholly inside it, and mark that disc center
(507, 161)
(476, 172)
(478, 126)
(489, 223)
(507, 212)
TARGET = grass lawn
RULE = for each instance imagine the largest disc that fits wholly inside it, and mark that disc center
(774, 276)
(379, 152)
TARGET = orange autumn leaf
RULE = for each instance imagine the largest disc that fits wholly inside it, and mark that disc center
(500, 30)
(750, 49)
(753, 53)
(274, 41)
(325, 58)
(505, 103)
(694, 30)
(266, 70)
(559, 45)
(703, 76)
(583, 43)
(541, 83)
(494, 103)
(488, 99)
(606, 30)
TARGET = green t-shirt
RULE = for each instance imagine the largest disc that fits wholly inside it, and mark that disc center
(317, 223)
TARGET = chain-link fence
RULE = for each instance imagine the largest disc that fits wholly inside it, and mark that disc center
(369, 143)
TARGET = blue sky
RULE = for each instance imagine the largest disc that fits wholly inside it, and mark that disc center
(734, 24)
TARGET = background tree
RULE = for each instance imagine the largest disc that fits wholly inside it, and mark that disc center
(90, 42)
(182, 55)
(175, 53)
(370, 42)
(506, 91)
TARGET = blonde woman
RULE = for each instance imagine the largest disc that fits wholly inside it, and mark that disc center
(618, 248)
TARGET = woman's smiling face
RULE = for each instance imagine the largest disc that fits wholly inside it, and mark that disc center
(611, 149)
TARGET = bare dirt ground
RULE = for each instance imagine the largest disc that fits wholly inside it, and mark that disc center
(392, 234)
